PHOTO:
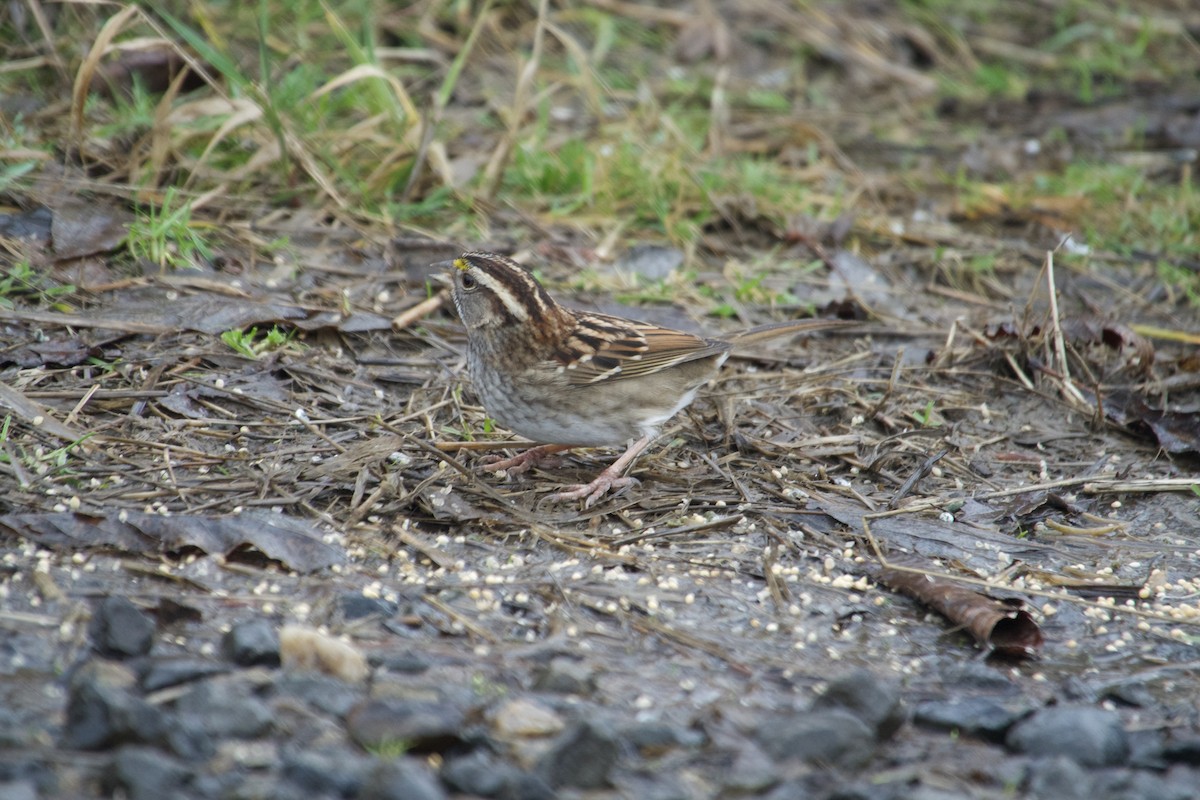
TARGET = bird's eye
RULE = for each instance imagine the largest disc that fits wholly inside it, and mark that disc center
(468, 281)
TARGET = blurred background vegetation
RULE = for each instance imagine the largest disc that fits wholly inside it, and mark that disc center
(918, 123)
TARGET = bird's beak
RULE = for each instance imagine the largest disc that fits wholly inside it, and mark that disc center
(440, 273)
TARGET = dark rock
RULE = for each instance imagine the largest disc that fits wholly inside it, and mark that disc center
(143, 773)
(102, 712)
(1076, 690)
(401, 779)
(335, 771)
(1092, 737)
(833, 736)
(581, 757)
(119, 629)
(225, 708)
(974, 716)
(751, 773)
(188, 742)
(354, 605)
(1146, 749)
(224, 784)
(321, 692)
(477, 773)
(482, 774)
(1183, 751)
(567, 676)
(1058, 778)
(1130, 693)
(1138, 784)
(874, 701)
(252, 643)
(656, 738)
(425, 726)
(161, 673)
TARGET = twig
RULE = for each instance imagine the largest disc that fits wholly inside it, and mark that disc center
(456, 616)
(718, 522)
(1069, 390)
(419, 311)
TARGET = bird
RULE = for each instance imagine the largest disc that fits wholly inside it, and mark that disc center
(566, 378)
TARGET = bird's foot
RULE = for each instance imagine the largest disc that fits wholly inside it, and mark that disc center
(523, 462)
(609, 480)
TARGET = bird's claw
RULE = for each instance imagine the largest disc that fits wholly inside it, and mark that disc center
(602, 485)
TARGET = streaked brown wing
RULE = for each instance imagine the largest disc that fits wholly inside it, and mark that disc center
(621, 348)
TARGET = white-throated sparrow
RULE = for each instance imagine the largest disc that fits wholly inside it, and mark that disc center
(577, 379)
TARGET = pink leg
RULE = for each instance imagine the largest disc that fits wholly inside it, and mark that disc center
(610, 478)
(523, 462)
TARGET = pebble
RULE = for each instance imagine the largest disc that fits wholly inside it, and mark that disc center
(1130, 693)
(162, 673)
(303, 648)
(1140, 785)
(567, 676)
(252, 643)
(833, 736)
(101, 711)
(1146, 749)
(874, 701)
(337, 771)
(401, 779)
(119, 629)
(972, 716)
(1090, 736)
(751, 773)
(1060, 778)
(478, 773)
(322, 693)
(481, 773)
(425, 726)
(656, 738)
(355, 606)
(977, 677)
(525, 717)
(144, 773)
(581, 757)
(1185, 750)
(225, 708)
